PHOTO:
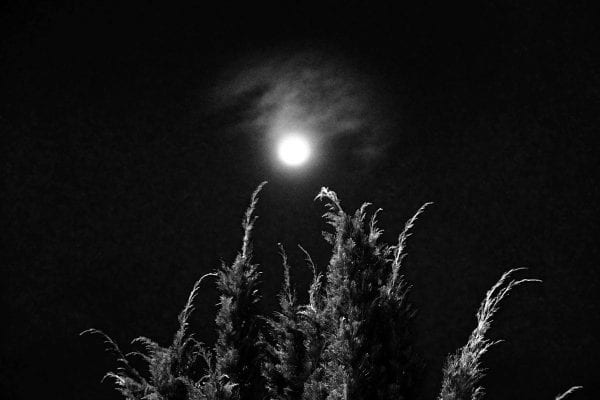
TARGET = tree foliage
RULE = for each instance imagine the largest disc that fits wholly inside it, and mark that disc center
(353, 338)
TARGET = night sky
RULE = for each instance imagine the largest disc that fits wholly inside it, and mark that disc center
(136, 135)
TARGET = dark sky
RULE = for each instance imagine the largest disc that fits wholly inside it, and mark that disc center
(136, 135)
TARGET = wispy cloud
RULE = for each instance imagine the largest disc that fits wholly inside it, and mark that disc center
(319, 95)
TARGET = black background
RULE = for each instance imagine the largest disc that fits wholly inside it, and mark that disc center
(120, 189)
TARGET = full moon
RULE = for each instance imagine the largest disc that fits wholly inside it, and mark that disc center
(293, 150)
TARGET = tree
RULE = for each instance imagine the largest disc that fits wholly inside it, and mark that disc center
(352, 340)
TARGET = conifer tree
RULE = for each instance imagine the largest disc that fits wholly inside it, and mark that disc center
(366, 314)
(352, 340)
(170, 369)
(287, 364)
(463, 370)
(238, 349)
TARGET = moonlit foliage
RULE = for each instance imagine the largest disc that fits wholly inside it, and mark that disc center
(463, 370)
(352, 340)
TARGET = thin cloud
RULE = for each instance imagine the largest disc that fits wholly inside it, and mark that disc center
(308, 92)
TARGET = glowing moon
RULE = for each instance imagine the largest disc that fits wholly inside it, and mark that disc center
(293, 150)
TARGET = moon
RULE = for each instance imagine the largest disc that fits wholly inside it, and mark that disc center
(293, 150)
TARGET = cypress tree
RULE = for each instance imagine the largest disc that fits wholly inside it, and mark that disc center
(352, 340)
(286, 368)
(366, 314)
(238, 349)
